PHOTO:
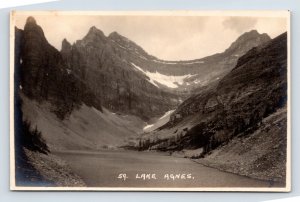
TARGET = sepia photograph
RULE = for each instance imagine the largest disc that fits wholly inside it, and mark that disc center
(150, 101)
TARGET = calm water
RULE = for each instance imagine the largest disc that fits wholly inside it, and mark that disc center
(108, 169)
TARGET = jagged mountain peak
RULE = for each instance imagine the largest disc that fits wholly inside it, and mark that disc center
(246, 41)
(94, 29)
(128, 44)
(65, 45)
(31, 20)
(252, 34)
(94, 33)
(31, 24)
(116, 37)
(32, 27)
(65, 42)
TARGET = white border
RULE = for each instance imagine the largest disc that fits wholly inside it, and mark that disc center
(246, 13)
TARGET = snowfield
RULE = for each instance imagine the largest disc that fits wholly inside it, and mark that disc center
(169, 81)
(159, 122)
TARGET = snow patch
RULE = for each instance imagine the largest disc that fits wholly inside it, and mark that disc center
(137, 67)
(159, 122)
(122, 46)
(147, 126)
(119, 44)
(167, 114)
(179, 63)
(166, 80)
(142, 57)
(197, 81)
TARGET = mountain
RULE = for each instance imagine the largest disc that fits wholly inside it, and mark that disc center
(241, 107)
(110, 74)
(58, 102)
(96, 61)
(41, 73)
(122, 75)
(184, 75)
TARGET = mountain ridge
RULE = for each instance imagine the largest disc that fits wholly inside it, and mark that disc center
(109, 67)
(233, 107)
(126, 52)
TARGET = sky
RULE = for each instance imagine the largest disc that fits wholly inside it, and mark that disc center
(165, 37)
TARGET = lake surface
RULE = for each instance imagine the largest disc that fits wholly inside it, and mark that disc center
(108, 169)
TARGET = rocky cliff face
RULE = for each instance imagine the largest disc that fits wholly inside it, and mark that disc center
(253, 90)
(121, 88)
(43, 75)
(123, 75)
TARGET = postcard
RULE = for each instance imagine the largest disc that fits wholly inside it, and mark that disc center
(150, 101)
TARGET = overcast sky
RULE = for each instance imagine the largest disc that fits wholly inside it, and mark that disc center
(166, 37)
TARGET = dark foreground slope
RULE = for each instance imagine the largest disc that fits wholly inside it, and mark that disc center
(237, 107)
